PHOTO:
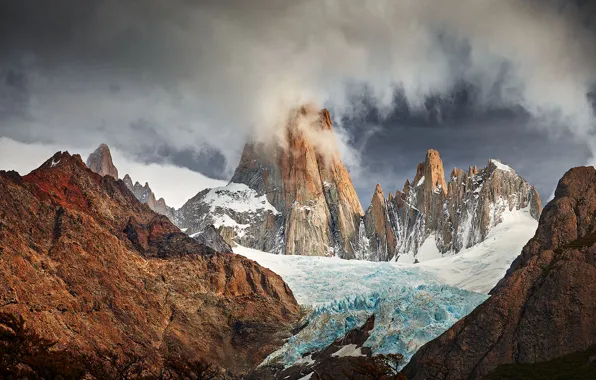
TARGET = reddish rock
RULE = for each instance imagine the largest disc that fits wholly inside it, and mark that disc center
(544, 308)
(87, 265)
(101, 163)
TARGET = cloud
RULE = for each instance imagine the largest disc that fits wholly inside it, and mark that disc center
(192, 74)
(163, 179)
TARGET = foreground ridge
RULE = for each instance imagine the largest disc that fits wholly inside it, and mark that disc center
(87, 266)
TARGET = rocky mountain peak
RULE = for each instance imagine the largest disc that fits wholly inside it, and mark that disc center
(315, 210)
(100, 161)
(378, 229)
(433, 172)
(453, 216)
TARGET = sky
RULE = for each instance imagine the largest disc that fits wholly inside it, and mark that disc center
(177, 87)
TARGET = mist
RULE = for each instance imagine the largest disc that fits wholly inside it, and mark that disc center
(208, 75)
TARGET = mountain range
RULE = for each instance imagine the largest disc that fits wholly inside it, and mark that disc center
(302, 201)
(102, 280)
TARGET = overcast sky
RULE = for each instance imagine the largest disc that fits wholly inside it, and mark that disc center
(183, 84)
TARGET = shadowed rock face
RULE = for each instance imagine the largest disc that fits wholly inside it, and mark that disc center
(100, 162)
(86, 264)
(212, 239)
(544, 308)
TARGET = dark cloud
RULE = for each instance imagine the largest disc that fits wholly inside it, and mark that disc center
(186, 82)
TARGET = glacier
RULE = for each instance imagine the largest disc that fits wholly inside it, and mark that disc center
(406, 317)
(412, 303)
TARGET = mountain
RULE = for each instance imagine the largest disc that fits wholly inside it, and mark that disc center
(145, 195)
(88, 267)
(300, 195)
(240, 214)
(430, 217)
(543, 309)
(297, 197)
(100, 161)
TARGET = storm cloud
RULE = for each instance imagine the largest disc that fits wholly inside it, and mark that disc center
(189, 81)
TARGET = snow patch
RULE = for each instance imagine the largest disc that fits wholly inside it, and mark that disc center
(420, 182)
(239, 198)
(501, 166)
(349, 350)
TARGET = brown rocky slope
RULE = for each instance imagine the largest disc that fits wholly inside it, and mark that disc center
(88, 266)
(544, 308)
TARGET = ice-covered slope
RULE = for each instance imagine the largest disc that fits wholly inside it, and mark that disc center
(412, 303)
(481, 266)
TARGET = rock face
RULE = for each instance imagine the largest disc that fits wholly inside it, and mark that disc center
(100, 162)
(211, 238)
(453, 216)
(379, 235)
(88, 266)
(544, 308)
(311, 206)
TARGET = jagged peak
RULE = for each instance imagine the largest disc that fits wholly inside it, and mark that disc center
(430, 172)
(455, 173)
(434, 172)
(100, 161)
(406, 187)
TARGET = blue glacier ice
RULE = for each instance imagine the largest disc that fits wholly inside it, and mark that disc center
(411, 305)
(406, 317)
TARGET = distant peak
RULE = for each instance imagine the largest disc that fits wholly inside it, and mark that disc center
(101, 162)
